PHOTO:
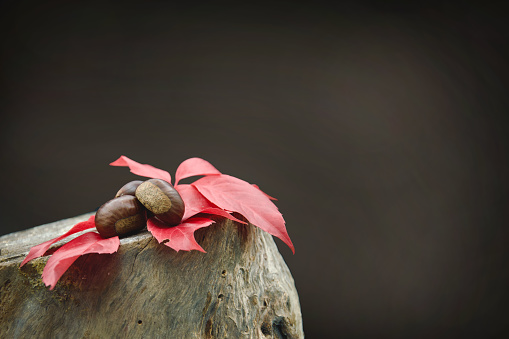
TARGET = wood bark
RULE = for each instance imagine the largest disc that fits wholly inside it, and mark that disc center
(240, 288)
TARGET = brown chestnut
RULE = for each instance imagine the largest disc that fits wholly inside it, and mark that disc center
(120, 216)
(129, 188)
(160, 198)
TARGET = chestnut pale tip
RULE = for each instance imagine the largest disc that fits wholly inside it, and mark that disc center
(160, 198)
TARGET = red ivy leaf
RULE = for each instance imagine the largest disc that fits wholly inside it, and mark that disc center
(196, 203)
(222, 213)
(268, 196)
(40, 250)
(142, 169)
(214, 194)
(180, 237)
(227, 193)
(192, 167)
(236, 195)
(66, 255)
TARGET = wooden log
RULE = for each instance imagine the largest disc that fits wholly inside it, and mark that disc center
(240, 288)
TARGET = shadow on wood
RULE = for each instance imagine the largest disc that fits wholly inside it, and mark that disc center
(240, 288)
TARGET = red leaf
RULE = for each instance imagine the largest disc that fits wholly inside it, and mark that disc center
(180, 237)
(268, 196)
(228, 193)
(196, 203)
(40, 250)
(222, 213)
(142, 169)
(236, 195)
(66, 255)
(192, 167)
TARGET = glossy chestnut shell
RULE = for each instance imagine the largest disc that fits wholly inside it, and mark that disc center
(120, 216)
(129, 188)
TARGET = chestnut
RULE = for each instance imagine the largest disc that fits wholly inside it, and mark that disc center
(120, 216)
(129, 188)
(160, 198)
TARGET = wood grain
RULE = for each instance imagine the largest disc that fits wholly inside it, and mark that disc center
(240, 288)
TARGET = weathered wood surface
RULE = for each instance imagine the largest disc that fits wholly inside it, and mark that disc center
(240, 288)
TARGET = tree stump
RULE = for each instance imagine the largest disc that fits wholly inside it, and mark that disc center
(240, 288)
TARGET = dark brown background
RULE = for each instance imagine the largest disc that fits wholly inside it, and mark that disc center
(380, 128)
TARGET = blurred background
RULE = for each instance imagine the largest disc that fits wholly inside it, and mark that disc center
(381, 129)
